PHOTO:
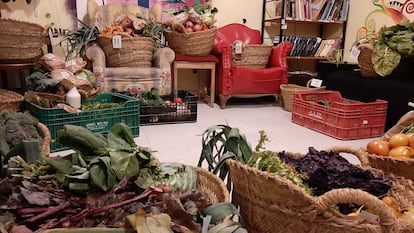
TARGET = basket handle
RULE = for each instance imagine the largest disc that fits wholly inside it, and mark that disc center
(359, 153)
(46, 137)
(347, 195)
(180, 25)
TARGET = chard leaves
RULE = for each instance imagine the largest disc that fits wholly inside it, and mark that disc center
(99, 161)
(101, 173)
(124, 164)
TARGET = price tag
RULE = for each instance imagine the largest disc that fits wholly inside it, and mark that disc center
(354, 53)
(71, 63)
(315, 82)
(238, 47)
(65, 74)
(116, 42)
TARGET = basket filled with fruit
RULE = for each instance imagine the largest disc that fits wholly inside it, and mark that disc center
(320, 191)
(191, 30)
(394, 152)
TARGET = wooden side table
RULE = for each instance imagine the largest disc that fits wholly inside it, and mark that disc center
(20, 67)
(192, 62)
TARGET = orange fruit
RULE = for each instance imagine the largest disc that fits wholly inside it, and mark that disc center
(399, 139)
(411, 140)
(401, 152)
(378, 147)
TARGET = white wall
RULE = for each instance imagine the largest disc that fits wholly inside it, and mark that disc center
(233, 11)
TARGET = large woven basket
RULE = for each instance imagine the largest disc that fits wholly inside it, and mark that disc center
(193, 44)
(271, 204)
(289, 89)
(365, 61)
(254, 56)
(135, 52)
(390, 165)
(21, 41)
(10, 100)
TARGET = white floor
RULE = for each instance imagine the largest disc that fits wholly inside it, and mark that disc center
(182, 142)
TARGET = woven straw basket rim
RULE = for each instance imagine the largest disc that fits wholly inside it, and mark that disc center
(266, 199)
(21, 41)
(194, 44)
(365, 62)
(398, 166)
(136, 51)
(10, 100)
(288, 91)
(254, 55)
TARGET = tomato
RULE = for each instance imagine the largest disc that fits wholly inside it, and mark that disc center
(378, 147)
(399, 139)
(178, 100)
(204, 26)
(401, 152)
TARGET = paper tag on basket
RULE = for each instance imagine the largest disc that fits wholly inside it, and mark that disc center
(116, 42)
(315, 82)
(238, 47)
(354, 53)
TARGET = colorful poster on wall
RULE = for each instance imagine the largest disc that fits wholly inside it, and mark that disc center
(167, 5)
(171, 5)
(144, 3)
(394, 11)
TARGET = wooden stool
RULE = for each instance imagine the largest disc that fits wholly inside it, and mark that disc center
(20, 67)
(197, 62)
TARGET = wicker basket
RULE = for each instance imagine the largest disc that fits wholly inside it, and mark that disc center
(365, 61)
(10, 101)
(193, 44)
(21, 41)
(254, 56)
(135, 51)
(270, 204)
(289, 89)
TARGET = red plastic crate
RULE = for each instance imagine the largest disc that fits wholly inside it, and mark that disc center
(343, 119)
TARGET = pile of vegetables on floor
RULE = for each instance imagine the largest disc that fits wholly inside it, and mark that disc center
(108, 181)
(317, 172)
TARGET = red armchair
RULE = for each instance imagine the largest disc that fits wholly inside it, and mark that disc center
(240, 81)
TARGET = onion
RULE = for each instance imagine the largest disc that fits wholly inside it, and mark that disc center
(188, 24)
(197, 27)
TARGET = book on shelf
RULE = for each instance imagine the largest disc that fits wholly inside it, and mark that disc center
(304, 46)
(326, 10)
(316, 7)
(329, 10)
(343, 16)
(328, 47)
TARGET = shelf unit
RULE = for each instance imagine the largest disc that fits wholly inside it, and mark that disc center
(303, 31)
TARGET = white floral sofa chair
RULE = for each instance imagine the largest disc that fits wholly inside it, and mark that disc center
(129, 78)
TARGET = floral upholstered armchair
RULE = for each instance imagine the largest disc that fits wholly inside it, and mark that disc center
(129, 78)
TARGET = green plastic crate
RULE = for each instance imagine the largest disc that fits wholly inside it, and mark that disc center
(97, 121)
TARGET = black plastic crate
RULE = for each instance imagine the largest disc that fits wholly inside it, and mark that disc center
(171, 112)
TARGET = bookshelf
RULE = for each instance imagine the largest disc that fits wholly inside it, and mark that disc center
(316, 29)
